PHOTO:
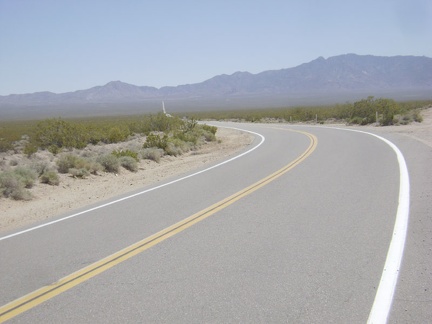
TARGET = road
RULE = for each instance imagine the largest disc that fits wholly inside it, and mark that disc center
(308, 244)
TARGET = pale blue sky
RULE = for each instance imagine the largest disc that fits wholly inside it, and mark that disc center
(61, 46)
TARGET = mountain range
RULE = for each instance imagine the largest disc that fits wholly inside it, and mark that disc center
(335, 79)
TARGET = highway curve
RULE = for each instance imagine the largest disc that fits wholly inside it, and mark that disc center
(296, 230)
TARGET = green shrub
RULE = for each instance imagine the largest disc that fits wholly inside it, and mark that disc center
(30, 149)
(129, 163)
(357, 120)
(95, 167)
(56, 133)
(211, 129)
(182, 145)
(109, 162)
(172, 149)
(252, 119)
(163, 123)
(388, 108)
(5, 145)
(96, 136)
(410, 116)
(209, 136)
(365, 110)
(21, 194)
(27, 176)
(66, 162)
(190, 137)
(155, 140)
(417, 116)
(72, 161)
(118, 134)
(189, 125)
(11, 185)
(54, 149)
(129, 153)
(9, 182)
(40, 167)
(83, 163)
(152, 153)
(79, 173)
(50, 177)
(365, 121)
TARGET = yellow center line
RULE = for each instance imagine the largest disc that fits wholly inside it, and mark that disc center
(43, 294)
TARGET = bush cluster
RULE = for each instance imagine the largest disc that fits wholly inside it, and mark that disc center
(56, 134)
(27, 176)
(50, 177)
(109, 162)
(181, 140)
(82, 167)
(156, 140)
(363, 113)
(126, 152)
(14, 184)
(164, 136)
(77, 166)
(5, 145)
(413, 115)
(129, 163)
(152, 153)
(40, 167)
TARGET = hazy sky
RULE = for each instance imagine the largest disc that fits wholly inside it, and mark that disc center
(63, 46)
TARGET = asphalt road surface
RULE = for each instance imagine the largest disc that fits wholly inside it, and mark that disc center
(296, 230)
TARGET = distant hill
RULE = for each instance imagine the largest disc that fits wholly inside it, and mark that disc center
(335, 79)
(345, 73)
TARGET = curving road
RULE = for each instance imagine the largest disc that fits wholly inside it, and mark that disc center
(307, 244)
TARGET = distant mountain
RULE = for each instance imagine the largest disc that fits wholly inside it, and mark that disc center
(339, 76)
(114, 91)
(345, 73)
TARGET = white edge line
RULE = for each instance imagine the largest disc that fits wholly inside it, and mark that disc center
(145, 191)
(384, 296)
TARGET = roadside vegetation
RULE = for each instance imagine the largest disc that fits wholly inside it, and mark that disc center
(41, 150)
(362, 112)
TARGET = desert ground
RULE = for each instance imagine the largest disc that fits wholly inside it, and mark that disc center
(72, 193)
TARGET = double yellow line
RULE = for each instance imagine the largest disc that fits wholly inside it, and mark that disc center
(37, 297)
